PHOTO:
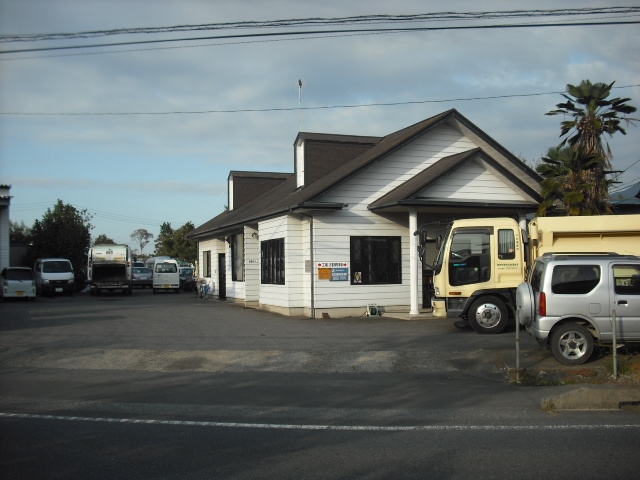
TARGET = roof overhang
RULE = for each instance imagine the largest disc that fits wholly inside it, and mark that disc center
(302, 208)
(449, 206)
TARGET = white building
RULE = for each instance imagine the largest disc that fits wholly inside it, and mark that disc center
(339, 233)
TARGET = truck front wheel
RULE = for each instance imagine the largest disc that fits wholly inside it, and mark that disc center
(488, 315)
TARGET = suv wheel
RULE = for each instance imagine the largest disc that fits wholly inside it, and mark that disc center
(488, 315)
(572, 344)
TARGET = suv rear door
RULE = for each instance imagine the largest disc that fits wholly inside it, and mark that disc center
(625, 299)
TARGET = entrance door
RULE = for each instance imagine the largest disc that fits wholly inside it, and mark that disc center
(222, 276)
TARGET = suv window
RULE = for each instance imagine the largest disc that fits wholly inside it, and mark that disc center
(626, 279)
(536, 276)
(574, 279)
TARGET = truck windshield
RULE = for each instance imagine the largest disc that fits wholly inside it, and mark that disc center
(469, 256)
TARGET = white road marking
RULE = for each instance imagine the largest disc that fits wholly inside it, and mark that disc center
(353, 428)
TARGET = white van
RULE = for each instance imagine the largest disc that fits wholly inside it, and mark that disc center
(166, 275)
(150, 262)
(54, 275)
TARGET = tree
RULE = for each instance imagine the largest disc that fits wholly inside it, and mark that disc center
(102, 239)
(141, 236)
(183, 248)
(592, 115)
(19, 233)
(175, 244)
(64, 232)
(164, 242)
(564, 182)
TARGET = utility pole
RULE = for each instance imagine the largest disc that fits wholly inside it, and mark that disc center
(299, 105)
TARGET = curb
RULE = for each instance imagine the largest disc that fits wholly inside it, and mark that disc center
(605, 397)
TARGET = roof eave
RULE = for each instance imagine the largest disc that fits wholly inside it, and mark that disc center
(299, 208)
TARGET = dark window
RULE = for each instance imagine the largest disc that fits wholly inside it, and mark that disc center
(506, 245)
(18, 274)
(206, 264)
(574, 279)
(626, 279)
(376, 260)
(166, 268)
(272, 255)
(237, 258)
(56, 267)
(469, 257)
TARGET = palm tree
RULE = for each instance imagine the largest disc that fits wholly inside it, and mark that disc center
(592, 115)
(565, 186)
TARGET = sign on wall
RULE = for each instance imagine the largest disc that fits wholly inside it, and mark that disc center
(333, 271)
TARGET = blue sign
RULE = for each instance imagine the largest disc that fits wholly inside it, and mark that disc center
(340, 274)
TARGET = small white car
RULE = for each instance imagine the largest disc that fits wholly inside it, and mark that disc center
(17, 282)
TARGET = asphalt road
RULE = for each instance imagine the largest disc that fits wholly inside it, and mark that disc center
(170, 386)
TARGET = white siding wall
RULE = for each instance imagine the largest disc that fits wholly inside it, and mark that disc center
(251, 266)
(289, 295)
(472, 181)
(332, 244)
(215, 246)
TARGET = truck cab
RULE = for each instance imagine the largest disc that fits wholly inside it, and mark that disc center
(477, 265)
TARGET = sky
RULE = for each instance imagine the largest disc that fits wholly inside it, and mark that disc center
(146, 133)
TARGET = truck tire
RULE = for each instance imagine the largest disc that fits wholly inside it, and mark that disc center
(572, 344)
(488, 315)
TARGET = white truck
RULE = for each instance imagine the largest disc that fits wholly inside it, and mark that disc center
(481, 261)
(109, 268)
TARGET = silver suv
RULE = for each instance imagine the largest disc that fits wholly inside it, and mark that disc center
(570, 302)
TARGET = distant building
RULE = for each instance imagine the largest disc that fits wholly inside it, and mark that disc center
(339, 233)
(5, 203)
(627, 200)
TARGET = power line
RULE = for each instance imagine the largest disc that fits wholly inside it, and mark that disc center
(352, 20)
(288, 109)
(321, 32)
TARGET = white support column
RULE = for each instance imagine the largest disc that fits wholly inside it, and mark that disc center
(413, 262)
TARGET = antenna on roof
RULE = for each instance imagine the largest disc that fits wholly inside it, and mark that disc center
(299, 105)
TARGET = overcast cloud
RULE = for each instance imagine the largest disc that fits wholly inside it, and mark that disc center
(136, 170)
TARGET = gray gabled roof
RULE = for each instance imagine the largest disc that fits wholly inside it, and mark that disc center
(287, 198)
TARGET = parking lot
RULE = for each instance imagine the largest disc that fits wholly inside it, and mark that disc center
(168, 331)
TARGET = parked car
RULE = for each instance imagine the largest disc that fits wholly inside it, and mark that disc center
(141, 277)
(17, 282)
(187, 278)
(570, 303)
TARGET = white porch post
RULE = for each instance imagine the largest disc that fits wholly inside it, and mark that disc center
(413, 262)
